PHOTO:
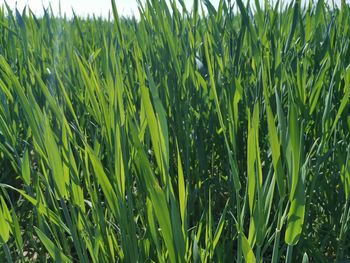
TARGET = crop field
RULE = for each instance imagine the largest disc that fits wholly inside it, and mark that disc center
(203, 135)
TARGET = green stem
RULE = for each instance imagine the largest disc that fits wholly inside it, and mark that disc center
(276, 246)
(239, 245)
(258, 254)
(289, 254)
(277, 234)
(342, 230)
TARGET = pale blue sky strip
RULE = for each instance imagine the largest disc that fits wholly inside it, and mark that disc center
(89, 7)
(84, 7)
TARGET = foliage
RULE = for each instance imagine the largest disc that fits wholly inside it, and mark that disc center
(184, 136)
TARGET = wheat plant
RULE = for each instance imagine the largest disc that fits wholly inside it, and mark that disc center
(203, 135)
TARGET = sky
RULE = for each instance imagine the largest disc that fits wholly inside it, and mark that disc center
(84, 7)
(97, 7)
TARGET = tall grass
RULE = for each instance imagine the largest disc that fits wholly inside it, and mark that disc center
(184, 136)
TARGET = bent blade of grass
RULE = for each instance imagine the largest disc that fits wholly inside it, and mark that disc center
(153, 229)
(274, 142)
(220, 226)
(344, 100)
(296, 213)
(26, 168)
(55, 162)
(5, 220)
(157, 197)
(296, 216)
(29, 113)
(162, 118)
(248, 253)
(251, 158)
(181, 188)
(53, 250)
(104, 181)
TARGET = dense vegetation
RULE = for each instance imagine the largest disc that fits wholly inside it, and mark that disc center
(180, 137)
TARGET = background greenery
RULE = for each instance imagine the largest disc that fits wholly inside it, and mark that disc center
(181, 137)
